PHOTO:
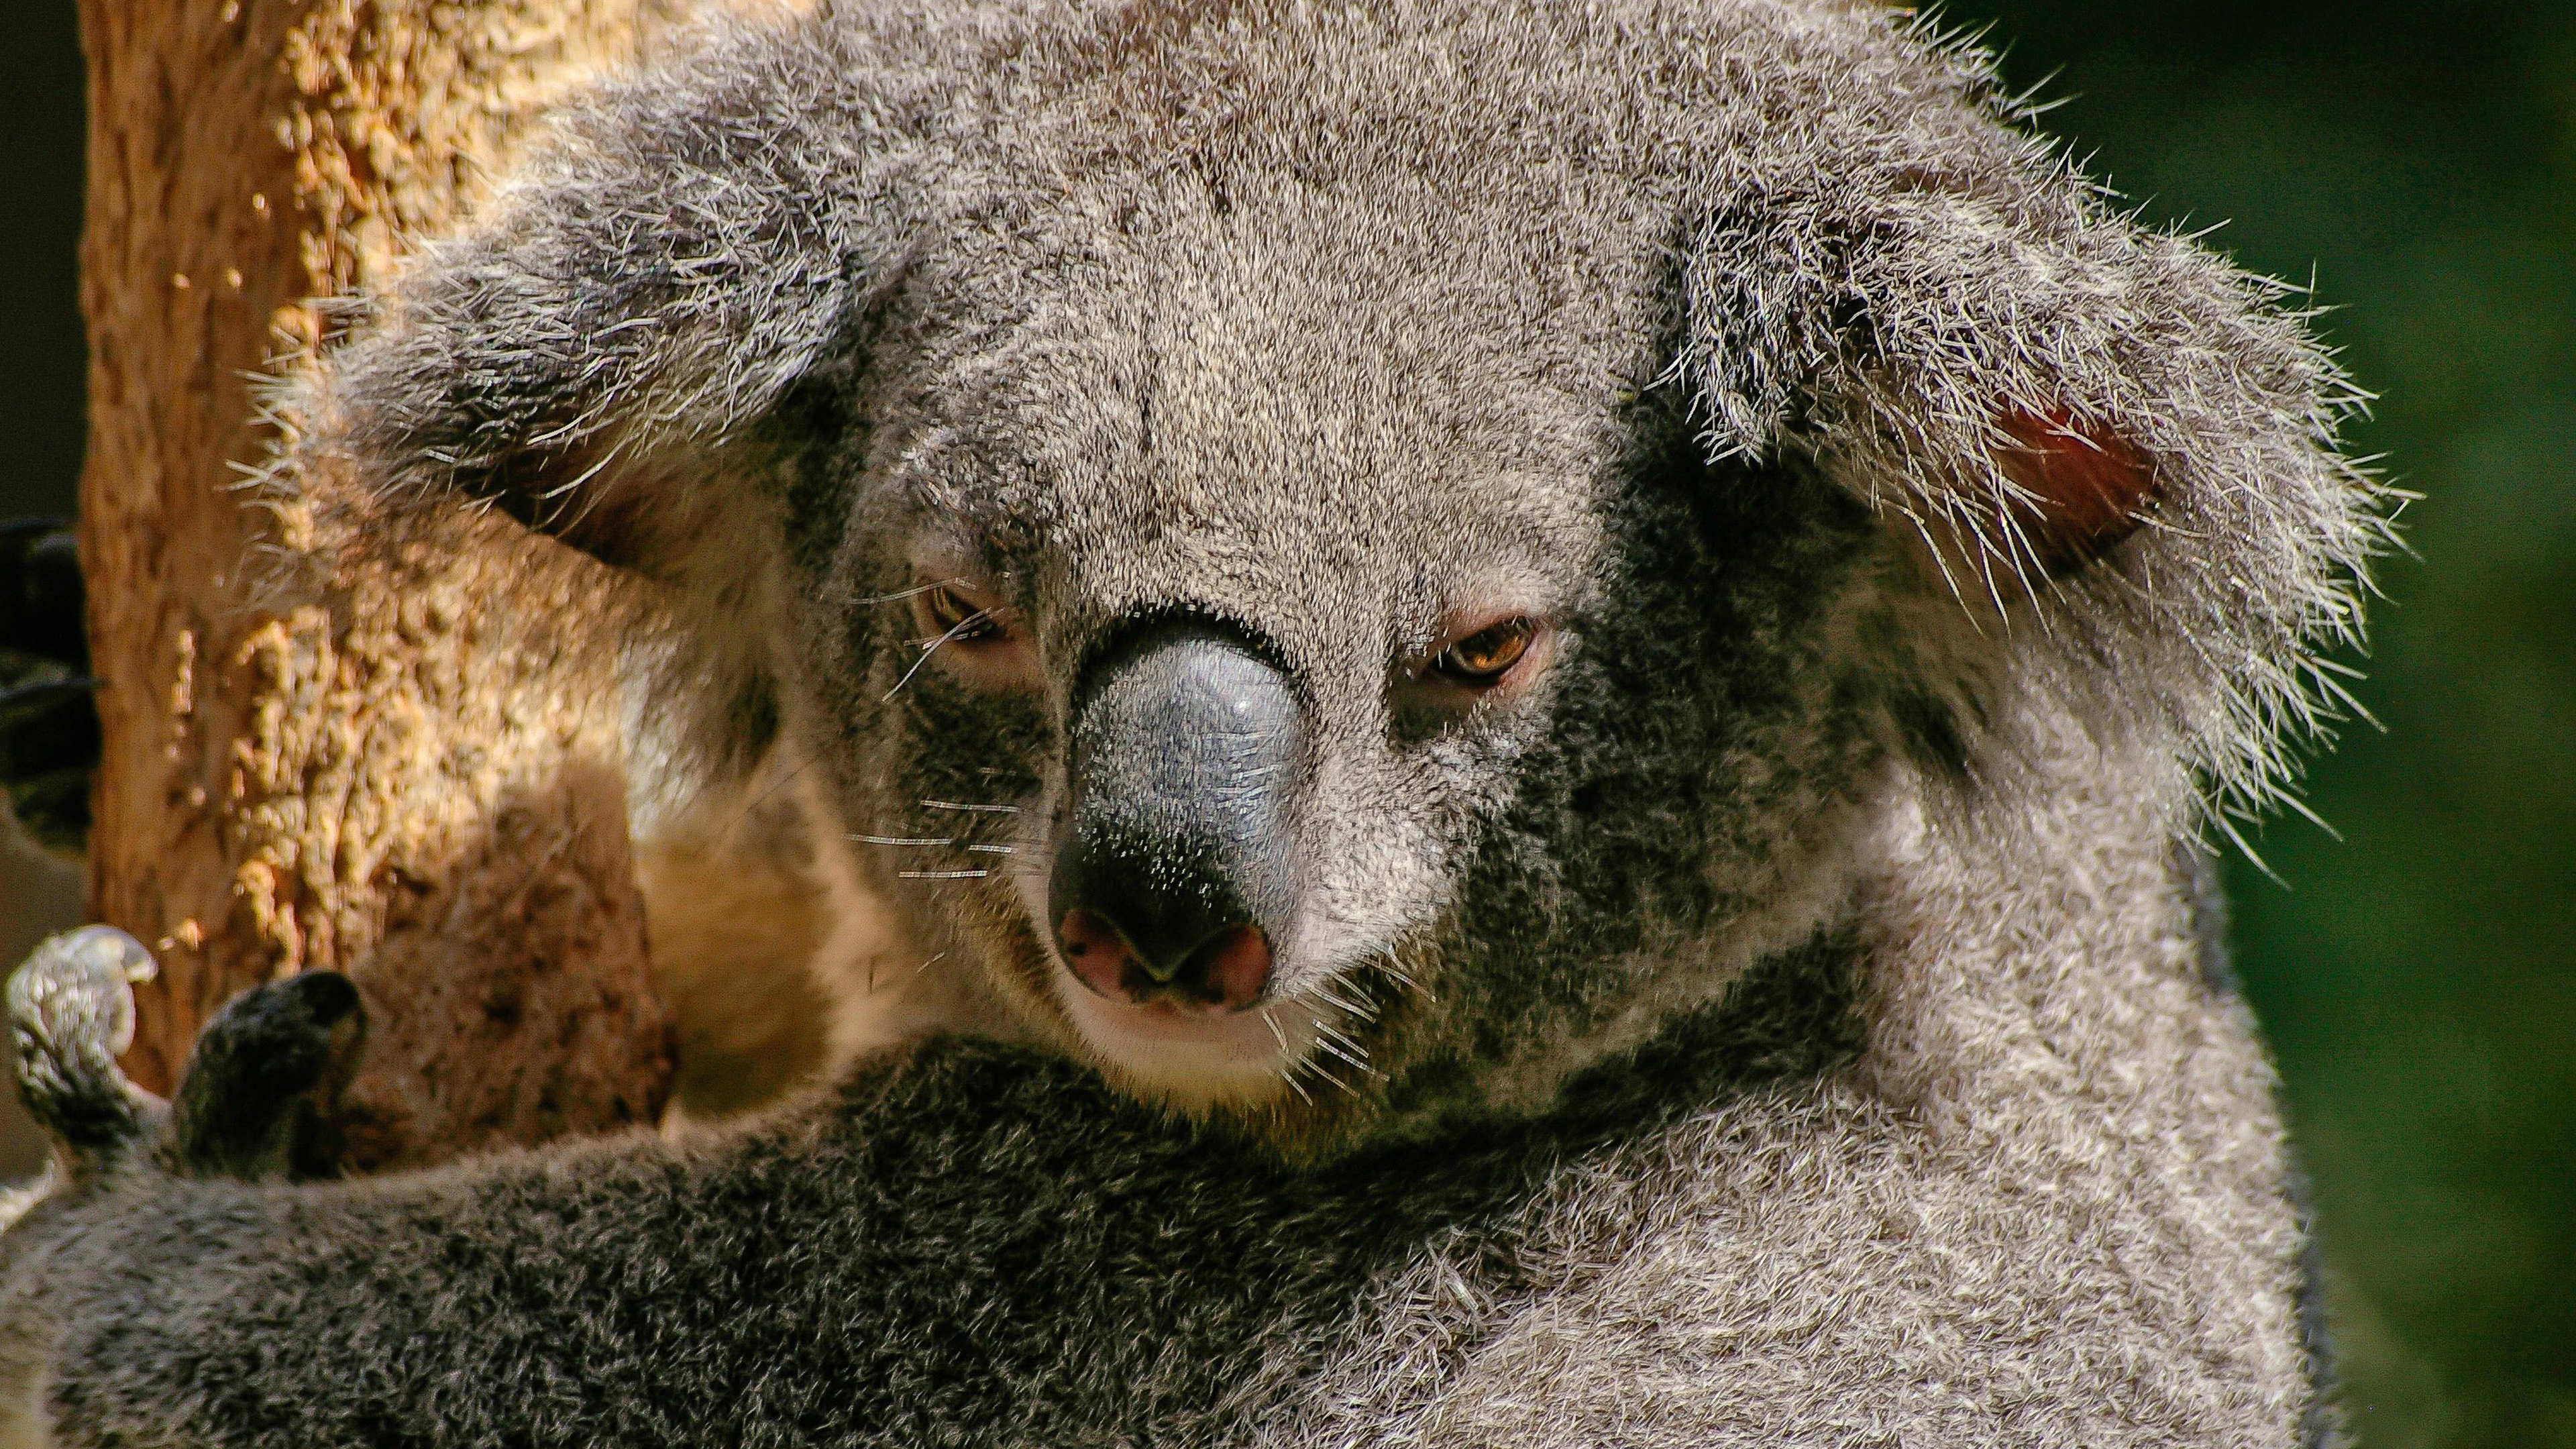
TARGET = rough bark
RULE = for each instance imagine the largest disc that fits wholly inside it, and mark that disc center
(402, 767)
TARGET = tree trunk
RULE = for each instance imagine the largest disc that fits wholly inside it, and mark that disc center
(404, 768)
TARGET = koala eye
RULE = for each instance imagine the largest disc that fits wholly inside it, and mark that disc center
(1483, 658)
(967, 627)
(950, 613)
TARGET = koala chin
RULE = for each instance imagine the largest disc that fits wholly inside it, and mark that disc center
(1500, 715)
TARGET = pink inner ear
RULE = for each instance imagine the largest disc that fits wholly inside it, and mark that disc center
(2082, 485)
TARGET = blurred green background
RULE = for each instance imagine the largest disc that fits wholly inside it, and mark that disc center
(2418, 977)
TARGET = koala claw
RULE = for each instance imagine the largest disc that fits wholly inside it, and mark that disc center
(258, 1096)
(71, 1011)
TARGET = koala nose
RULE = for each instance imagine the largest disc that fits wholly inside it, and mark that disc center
(1174, 869)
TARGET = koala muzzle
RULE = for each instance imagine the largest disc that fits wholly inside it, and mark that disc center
(1173, 873)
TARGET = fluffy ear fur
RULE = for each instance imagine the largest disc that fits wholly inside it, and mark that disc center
(2114, 455)
(624, 313)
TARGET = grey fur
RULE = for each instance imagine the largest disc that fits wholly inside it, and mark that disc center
(1781, 1021)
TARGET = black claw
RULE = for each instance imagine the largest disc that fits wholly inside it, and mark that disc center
(259, 1094)
(71, 1011)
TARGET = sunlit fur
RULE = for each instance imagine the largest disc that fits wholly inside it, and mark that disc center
(1780, 1016)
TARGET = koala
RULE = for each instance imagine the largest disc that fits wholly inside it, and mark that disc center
(1536, 689)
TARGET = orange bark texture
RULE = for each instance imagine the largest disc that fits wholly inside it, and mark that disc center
(397, 762)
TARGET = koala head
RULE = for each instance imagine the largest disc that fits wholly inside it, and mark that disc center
(1341, 558)
(1297, 627)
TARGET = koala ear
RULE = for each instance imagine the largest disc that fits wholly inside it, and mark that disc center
(676, 254)
(2072, 422)
(2019, 379)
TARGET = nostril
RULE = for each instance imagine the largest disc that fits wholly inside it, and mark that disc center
(1230, 971)
(1096, 952)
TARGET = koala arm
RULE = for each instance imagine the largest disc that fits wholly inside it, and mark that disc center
(974, 1244)
(895, 1262)
(933, 1228)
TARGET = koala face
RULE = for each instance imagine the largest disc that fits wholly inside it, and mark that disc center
(1291, 679)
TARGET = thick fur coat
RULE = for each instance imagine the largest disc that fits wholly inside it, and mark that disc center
(1780, 1007)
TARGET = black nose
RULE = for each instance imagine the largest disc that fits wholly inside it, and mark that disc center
(1174, 868)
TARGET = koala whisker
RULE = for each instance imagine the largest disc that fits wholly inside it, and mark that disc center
(1341, 1031)
(993, 849)
(931, 647)
(943, 874)
(1351, 1011)
(910, 841)
(1345, 1049)
(1328, 1076)
(1290, 1064)
(916, 591)
(753, 803)
(978, 809)
(1392, 966)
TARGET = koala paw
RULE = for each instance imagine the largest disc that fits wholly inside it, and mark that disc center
(71, 1011)
(49, 734)
(261, 1088)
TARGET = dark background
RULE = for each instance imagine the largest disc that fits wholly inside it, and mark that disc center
(2419, 161)
(41, 361)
